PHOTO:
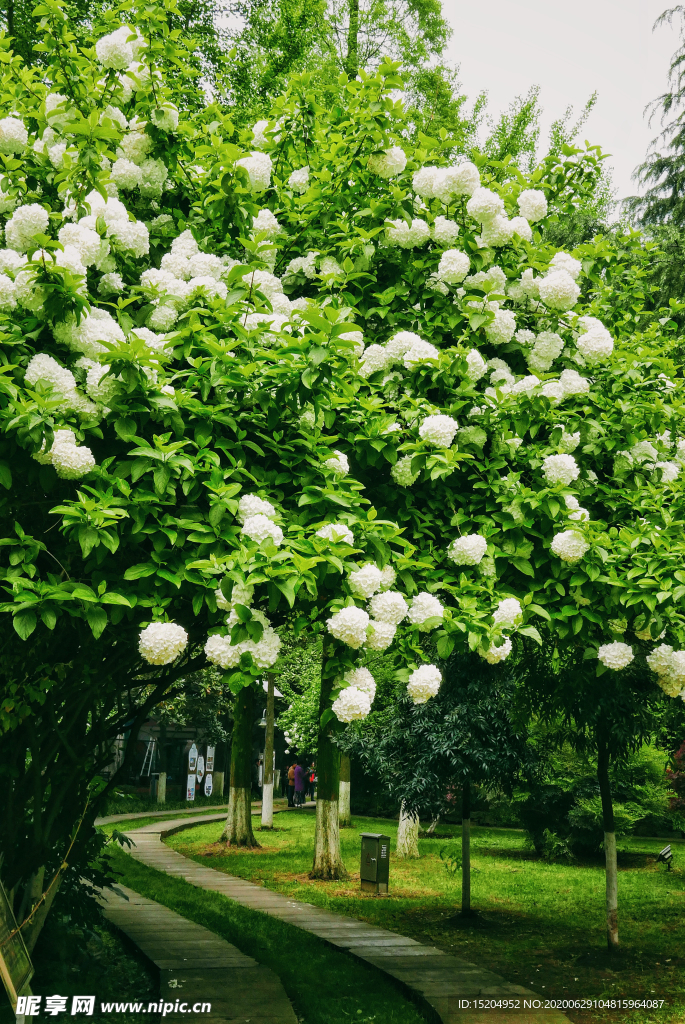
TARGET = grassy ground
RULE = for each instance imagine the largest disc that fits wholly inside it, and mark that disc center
(541, 924)
(324, 985)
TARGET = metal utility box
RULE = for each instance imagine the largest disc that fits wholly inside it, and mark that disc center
(375, 863)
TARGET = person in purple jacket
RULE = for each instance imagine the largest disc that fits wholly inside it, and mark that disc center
(300, 784)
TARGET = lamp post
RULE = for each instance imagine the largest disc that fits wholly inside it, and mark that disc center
(268, 776)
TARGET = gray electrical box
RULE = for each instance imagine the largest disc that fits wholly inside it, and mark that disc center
(375, 863)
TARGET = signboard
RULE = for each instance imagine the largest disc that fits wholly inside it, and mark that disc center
(200, 768)
(190, 790)
(208, 785)
(209, 767)
(192, 760)
(15, 964)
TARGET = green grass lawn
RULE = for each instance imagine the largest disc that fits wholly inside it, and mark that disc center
(325, 986)
(541, 924)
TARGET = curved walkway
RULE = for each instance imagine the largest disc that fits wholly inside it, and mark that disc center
(198, 969)
(446, 983)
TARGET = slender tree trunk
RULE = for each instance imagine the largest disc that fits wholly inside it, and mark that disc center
(344, 816)
(238, 827)
(433, 825)
(407, 835)
(466, 848)
(609, 844)
(268, 782)
(352, 59)
(328, 863)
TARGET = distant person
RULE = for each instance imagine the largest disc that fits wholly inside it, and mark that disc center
(311, 780)
(291, 786)
(300, 784)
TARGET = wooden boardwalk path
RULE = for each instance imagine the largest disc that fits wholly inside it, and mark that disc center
(197, 967)
(446, 983)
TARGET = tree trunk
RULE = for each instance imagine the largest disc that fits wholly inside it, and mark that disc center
(609, 844)
(328, 863)
(407, 835)
(466, 849)
(268, 781)
(433, 825)
(344, 816)
(352, 59)
(238, 827)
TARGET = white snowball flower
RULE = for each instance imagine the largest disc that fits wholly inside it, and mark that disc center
(509, 613)
(567, 445)
(388, 163)
(476, 365)
(299, 180)
(521, 227)
(454, 266)
(397, 347)
(485, 205)
(8, 294)
(25, 222)
(357, 338)
(402, 473)
(160, 643)
(424, 683)
(420, 352)
(553, 391)
(407, 236)
(468, 550)
(669, 471)
(362, 679)
(126, 174)
(13, 135)
(569, 546)
(558, 290)
(165, 117)
(389, 606)
(596, 344)
(548, 347)
(349, 626)
(43, 367)
(153, 176)
(501, 330)
(380, 635)
(87, 242)
(438, 430)
(221, 652)
(445, 232)
(336, 533)
(462, 180)
(660, 659)
(266, 222)
(563, 261)
(616, 655)
(258, 528)
(573, 384)
(132, 236)
(423, 608)
(339, 464)
(258, 166)
(250, 505)
(497, 652)
(70, 461)
(424, 181)
(365, 581)
(59, 437)
(560, 469)
(352, 705)
(388, 577)
(497, 231)
(532, 204)
(117, 50)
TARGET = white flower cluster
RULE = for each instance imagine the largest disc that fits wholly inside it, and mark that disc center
(502, 328)
(533, 204)
(13, 135)
(362, 679)
(547, 347)
(380, 635)
(336, 533)
(508, 614)
(669, 666)
(258, 528)
(453, 267)
(349, 625)
(402, 473)
(258, 166)
(446, 183)
(424, 683)
(24, 224)
(251, 505)
(119, 49)
(616, 655)
(560, 470)
(438, 430)
(339, 464)
(264, 652)
(404, 347)
(558, 290)
(352, 704)
(43, 367)
(407, 235)
(389, 162)
(498, 652)
(595, 344)
(160, 643)
(242, 593)
(468, 550)
(569, 546)
(365, 582)
(424, 609)
(299, 180)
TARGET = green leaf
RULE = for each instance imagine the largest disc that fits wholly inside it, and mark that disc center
(114, 598)
(523, 565)
(24, 623)
(97, 619)
(5, 476)
(126, 428)
(532, 632)
(137, 572)
(88, 539)
(542, 612)
(327, 716)
(243, 613)
(49, 617)
(286, 587)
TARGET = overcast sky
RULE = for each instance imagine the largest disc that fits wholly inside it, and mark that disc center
(570, 50)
